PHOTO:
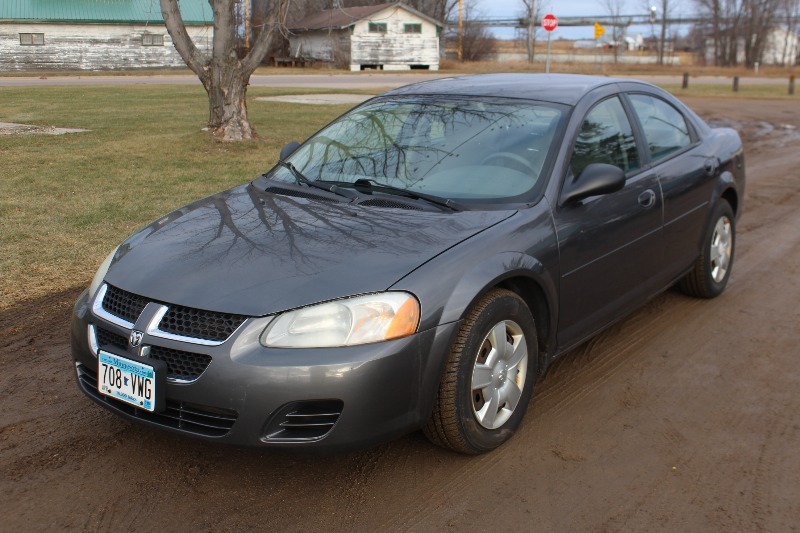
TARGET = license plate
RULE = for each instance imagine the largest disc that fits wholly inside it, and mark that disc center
(127, 380)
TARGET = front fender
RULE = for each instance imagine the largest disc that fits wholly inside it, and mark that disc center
(446, 302)
(493, 271)
(522, 248)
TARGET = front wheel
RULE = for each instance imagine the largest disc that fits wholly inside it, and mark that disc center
(489, 376)
(712, 269)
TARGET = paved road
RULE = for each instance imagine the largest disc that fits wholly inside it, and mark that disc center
(332, 81)
(358, 80)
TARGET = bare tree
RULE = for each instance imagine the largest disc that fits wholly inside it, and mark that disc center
(724, 17)
(224, 74)
(614, 9)
(531, 11)
(791, 50)
(441, 10)
(759, 22)
(663, 11)
(740, 28)
(477, 42)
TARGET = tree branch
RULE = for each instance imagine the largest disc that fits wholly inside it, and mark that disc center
(180, 38)
(261, 44)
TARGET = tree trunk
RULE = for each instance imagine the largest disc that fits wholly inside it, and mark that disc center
(224, 76)
(227, 105)
(662, 41)
(718, 50)
(530, 30)
(529, 44)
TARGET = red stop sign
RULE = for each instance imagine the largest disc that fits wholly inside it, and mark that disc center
(549, 22)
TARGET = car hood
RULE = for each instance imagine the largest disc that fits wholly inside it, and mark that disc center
(248, 252)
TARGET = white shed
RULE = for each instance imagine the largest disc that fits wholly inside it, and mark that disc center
(781, 47)
(94, 35)
(387, 37)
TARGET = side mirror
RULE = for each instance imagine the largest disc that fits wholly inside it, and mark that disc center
(595, 180)
(289, 149)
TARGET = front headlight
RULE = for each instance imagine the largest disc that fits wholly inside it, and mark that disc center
(358, 320)
(101, 273)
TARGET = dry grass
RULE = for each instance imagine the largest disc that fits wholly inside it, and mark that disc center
(610, 69)
(65, 201)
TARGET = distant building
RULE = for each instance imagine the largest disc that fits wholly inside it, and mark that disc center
(387, 36)
(94, 35)
(781, 47)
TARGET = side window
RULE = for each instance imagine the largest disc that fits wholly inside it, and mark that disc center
(664, 126)
(152, 39)
(606, 136)
(31, 39)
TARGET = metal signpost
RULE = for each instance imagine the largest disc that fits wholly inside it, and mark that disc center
(549, 23)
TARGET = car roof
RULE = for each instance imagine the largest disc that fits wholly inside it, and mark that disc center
(560, 88)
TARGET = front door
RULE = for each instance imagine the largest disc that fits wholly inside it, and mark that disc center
(610, 245)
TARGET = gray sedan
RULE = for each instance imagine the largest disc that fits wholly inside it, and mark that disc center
(416, 264)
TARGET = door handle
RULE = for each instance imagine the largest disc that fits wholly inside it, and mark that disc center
(647, 199)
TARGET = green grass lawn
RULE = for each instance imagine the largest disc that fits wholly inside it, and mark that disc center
(65, 201)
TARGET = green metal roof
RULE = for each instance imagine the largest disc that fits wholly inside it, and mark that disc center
(194, 12)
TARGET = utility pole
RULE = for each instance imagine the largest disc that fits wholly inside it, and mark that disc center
(460, 28)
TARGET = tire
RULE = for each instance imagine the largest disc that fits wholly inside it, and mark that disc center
(484, 392)
(712, 269)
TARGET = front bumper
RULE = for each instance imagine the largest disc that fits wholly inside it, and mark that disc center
(332, 398)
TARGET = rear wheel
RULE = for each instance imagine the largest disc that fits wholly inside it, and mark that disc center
(489, 376)
(710, 274)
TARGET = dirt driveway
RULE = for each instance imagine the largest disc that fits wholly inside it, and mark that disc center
(684, 416)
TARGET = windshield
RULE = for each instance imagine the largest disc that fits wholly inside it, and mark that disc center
(457, 148)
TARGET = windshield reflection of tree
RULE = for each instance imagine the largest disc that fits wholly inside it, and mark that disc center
(409, 141)
(231, 228)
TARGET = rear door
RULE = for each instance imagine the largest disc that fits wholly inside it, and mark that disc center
(611, 246)
(686, 175)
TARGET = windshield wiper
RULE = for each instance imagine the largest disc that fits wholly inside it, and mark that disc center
(300, 178)
(437, 200)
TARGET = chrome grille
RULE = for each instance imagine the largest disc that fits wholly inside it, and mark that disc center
(199, 324)
(181, 322)
(184, 416)
(123, 304)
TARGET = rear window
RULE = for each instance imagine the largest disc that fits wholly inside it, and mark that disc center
(664, 126)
